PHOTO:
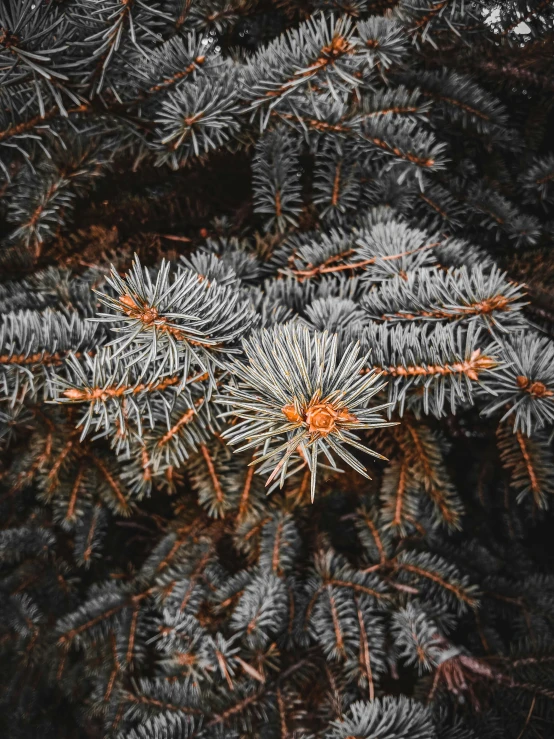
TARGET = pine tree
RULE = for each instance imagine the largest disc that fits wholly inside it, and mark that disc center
(276, 369)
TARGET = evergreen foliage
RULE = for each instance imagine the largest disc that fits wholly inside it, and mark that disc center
(276, 369)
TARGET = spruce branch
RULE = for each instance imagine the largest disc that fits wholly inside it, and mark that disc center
(296, 387)
(322, 48)
(180, 317)
(529, 462)
(456, 295)
(430, 367)
(399, 717)
(196, 118)
(275, 178)
(524, 388)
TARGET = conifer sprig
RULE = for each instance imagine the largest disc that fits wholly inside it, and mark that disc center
(170, 323)
(296, 387)
(524, 388)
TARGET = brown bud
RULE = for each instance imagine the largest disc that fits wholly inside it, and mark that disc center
(128, 301)
(344, 416)
(321, 418)
(291, 414)
(539, 389)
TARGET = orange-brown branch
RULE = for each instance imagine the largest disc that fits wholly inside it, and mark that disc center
(73, 496)
(471, 368)
(398, 110)
(275, 566)
(535, 486)
(326, 268)
(376, 537)
(112, 483)
(185, 418)
(178, 75)
(336, 623)
(24, 126)
(37, 358)
(132, 634)
(406, 155)
(329, 54)
(484, 307)
(365, 659)
(457, 104)
(90, 535)
(213, 474)
(434, 206)
(336, 185)
(68, 637)
(400, 495)
(458, 592)
(117, 391)
(450, 516)
(245, 493)
(148, 701)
